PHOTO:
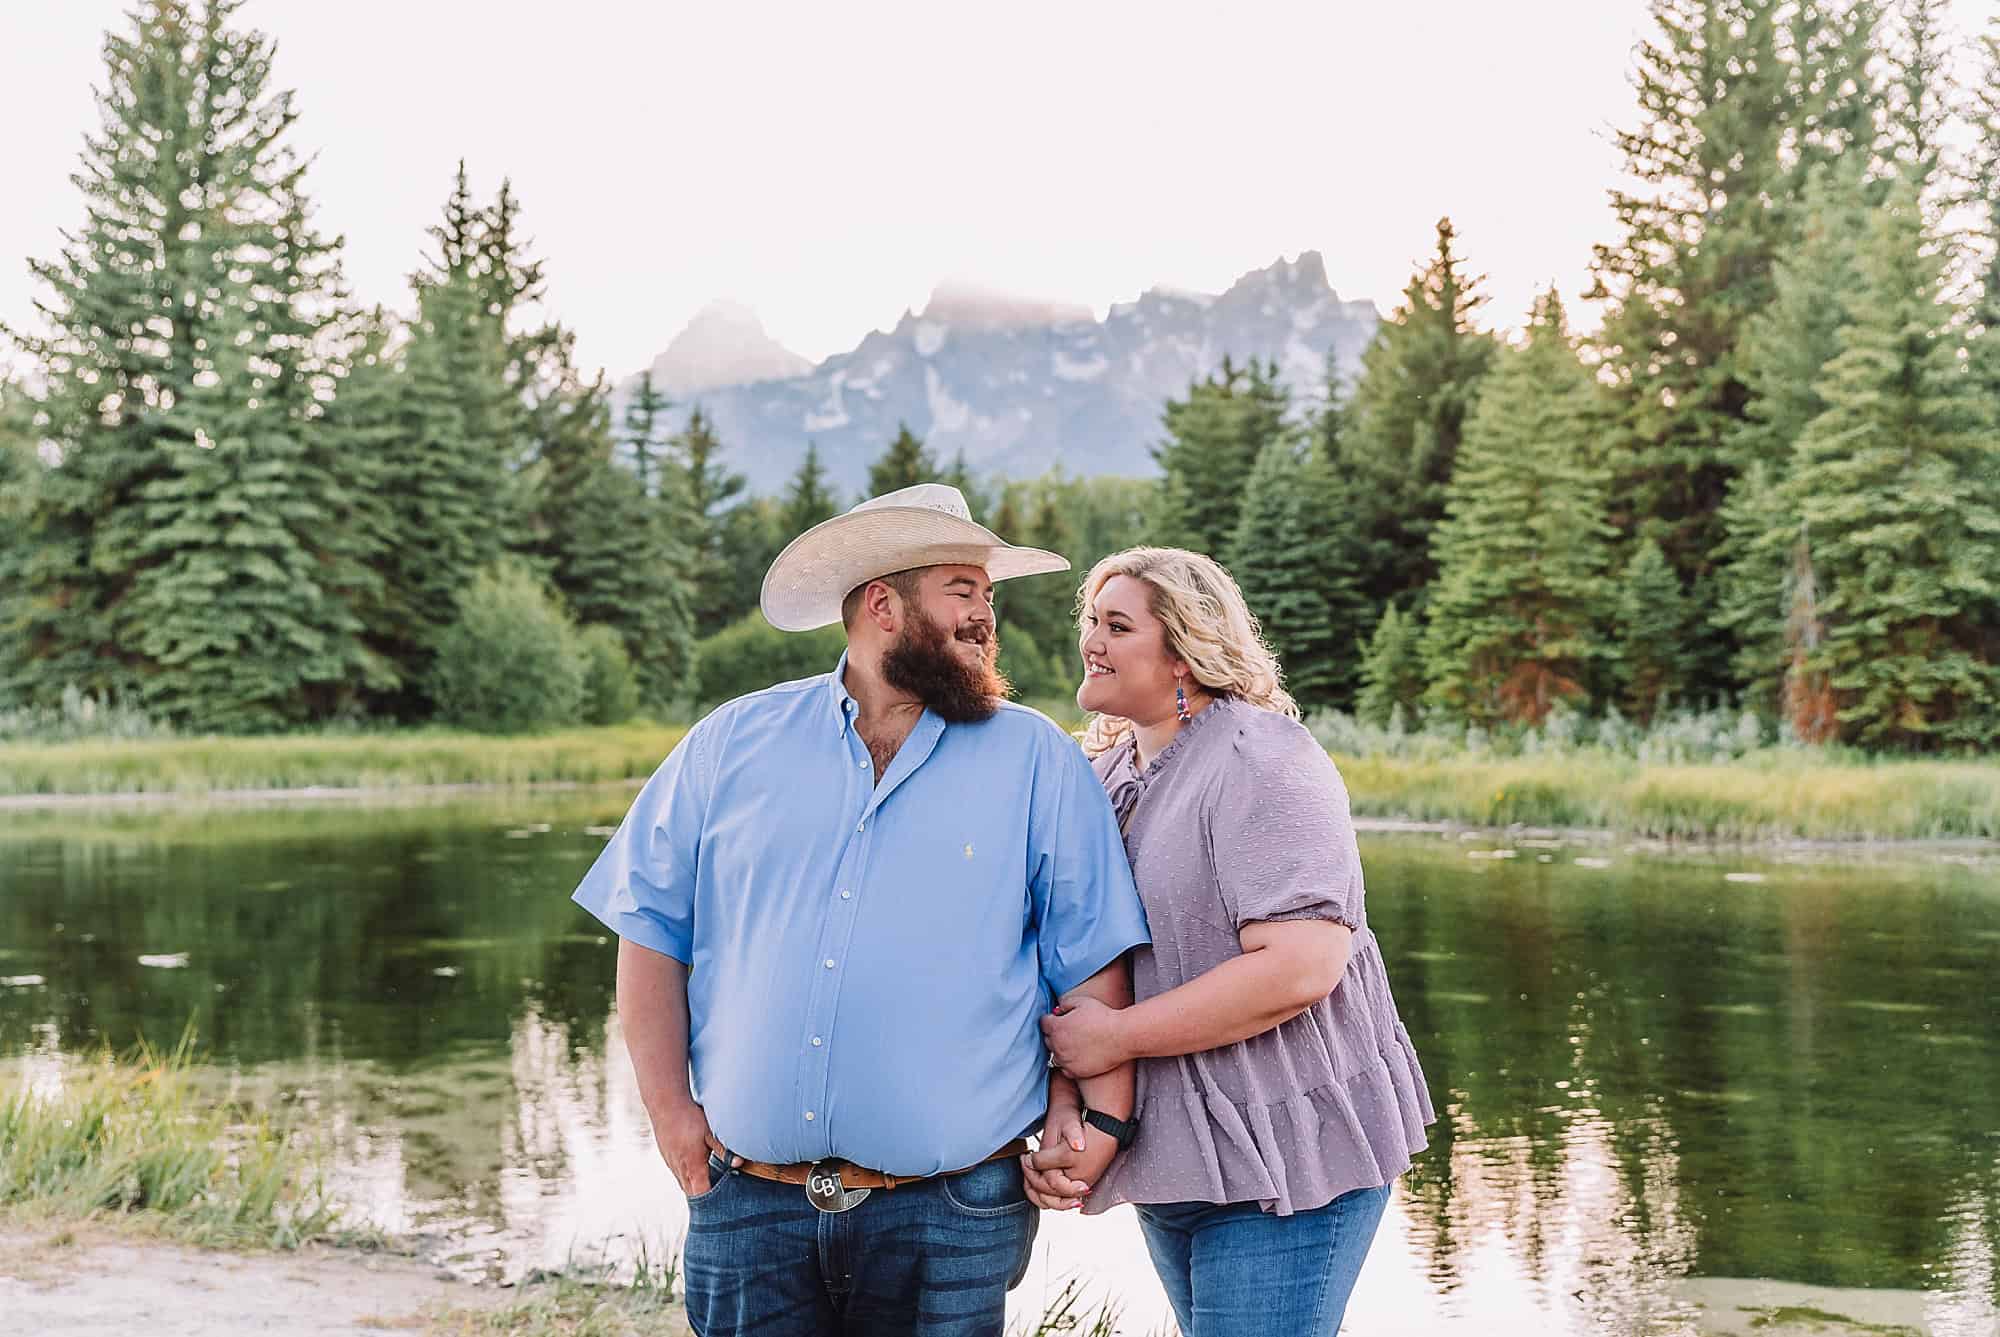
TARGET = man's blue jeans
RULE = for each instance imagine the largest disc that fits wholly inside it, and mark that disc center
(929, 1259)
(1235, 1270)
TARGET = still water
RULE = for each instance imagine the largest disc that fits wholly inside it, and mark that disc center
(1657, 1075)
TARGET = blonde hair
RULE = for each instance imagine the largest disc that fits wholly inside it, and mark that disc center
(1208, 626)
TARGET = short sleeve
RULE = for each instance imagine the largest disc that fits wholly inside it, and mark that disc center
(642, 885)
(1280, 832)
(1087, 912)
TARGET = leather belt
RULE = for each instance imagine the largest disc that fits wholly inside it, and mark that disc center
(836, 1181)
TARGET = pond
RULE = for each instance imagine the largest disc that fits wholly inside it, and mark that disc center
(1659, 1076)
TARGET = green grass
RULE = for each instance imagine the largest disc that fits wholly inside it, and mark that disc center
(135, 1139)
(1767, 795)
(1771, 793)
(579, 1301)
(357, 761)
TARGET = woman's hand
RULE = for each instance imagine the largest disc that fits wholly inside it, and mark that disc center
(1059, 1175)
(1085, 1037)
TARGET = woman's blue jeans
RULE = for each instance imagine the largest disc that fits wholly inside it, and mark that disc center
(929, 1259)
(1235, 1270)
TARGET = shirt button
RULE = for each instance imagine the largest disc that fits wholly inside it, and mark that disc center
(863, 763)
(829, 963)
(809, 1116)
(816, 1042)
(846, 895)
(861, 827)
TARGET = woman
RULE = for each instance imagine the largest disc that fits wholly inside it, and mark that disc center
(1279, 1094)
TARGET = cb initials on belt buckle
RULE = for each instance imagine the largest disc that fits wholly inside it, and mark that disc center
(825, 1191)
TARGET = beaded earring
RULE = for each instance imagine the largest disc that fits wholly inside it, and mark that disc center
(1180, 703)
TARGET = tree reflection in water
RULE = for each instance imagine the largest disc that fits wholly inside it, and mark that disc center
(1645, 1072)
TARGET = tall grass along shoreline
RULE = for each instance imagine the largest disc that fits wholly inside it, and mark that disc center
(1728, 785)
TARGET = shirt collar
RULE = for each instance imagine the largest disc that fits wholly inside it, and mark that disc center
(838, 700)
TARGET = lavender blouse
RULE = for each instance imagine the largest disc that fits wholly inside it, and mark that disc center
(1243, 818)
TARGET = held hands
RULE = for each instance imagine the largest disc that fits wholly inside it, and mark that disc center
(1084, 1038)
(1059, 1175)
(683, 1137)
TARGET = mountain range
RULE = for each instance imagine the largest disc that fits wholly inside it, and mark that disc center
(1017, 385)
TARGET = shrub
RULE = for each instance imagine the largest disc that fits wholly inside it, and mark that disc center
(750, 654)
(610, 684)
(79, 716)
(511, 663)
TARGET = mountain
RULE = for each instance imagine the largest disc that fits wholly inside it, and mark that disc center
(724, 345)
(1022, 385)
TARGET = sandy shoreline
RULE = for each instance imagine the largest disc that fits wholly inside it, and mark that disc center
(85, 1280)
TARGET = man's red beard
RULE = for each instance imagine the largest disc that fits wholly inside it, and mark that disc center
(924, 663)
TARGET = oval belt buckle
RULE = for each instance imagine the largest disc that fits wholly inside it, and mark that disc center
(825, 1191)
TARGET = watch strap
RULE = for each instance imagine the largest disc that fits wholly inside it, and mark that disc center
(1123, 1131)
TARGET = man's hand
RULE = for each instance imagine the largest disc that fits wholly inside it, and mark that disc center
(1085, 1037)
(1059, 1177)
(683, 1137)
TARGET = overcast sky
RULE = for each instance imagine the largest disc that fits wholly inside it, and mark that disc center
(827, 164)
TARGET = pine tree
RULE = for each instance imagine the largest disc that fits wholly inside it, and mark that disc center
(1891, 499)
(1399, 432)
(1782, 356)
(1296, 573)
(1919, 96)
(1042, 606)
(645, 431)
(615, 552)
(1738, 101)
(1214, 437)
(194, 542)
(1652, 632)
(710, 492)
(1515, 620)
(904, 464)
(808, 498)
(1392, 668)
(407, 414)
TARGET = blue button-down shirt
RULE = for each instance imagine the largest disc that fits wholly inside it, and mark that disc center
(869, 960)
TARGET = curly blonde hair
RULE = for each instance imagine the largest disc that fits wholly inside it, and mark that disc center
(1208, 626)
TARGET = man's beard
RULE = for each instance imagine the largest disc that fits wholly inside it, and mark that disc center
(923, 663)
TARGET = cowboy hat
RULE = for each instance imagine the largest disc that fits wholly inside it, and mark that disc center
(925, 525)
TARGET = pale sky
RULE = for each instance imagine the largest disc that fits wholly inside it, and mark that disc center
(827, 164)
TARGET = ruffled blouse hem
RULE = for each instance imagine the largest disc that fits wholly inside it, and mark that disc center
(1291, 1155)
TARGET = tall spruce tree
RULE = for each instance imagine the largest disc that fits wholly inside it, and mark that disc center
(711, 493)
(1652, 623)
(809, 499)
(1891, 496)
(1919, 96)
(1400, 431)
(615, 551)
(1297, 575)
(644, 433)
(1214, 437)
(408, 414)
(1392, 668)
(904, 464)
(1516, 620)
(193, 536)
(1738, 100)
(1782, 358)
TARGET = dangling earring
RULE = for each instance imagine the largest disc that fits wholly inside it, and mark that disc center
(1180, 703)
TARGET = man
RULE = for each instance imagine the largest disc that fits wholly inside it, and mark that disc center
(843, 904)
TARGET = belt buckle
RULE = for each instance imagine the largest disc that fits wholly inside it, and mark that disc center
(825, 1191)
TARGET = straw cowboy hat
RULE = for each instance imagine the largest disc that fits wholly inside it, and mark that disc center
(925, 525)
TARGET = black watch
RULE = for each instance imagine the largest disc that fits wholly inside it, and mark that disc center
(1123, 1131)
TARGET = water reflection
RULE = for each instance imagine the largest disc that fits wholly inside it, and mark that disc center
(1654, 1080)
